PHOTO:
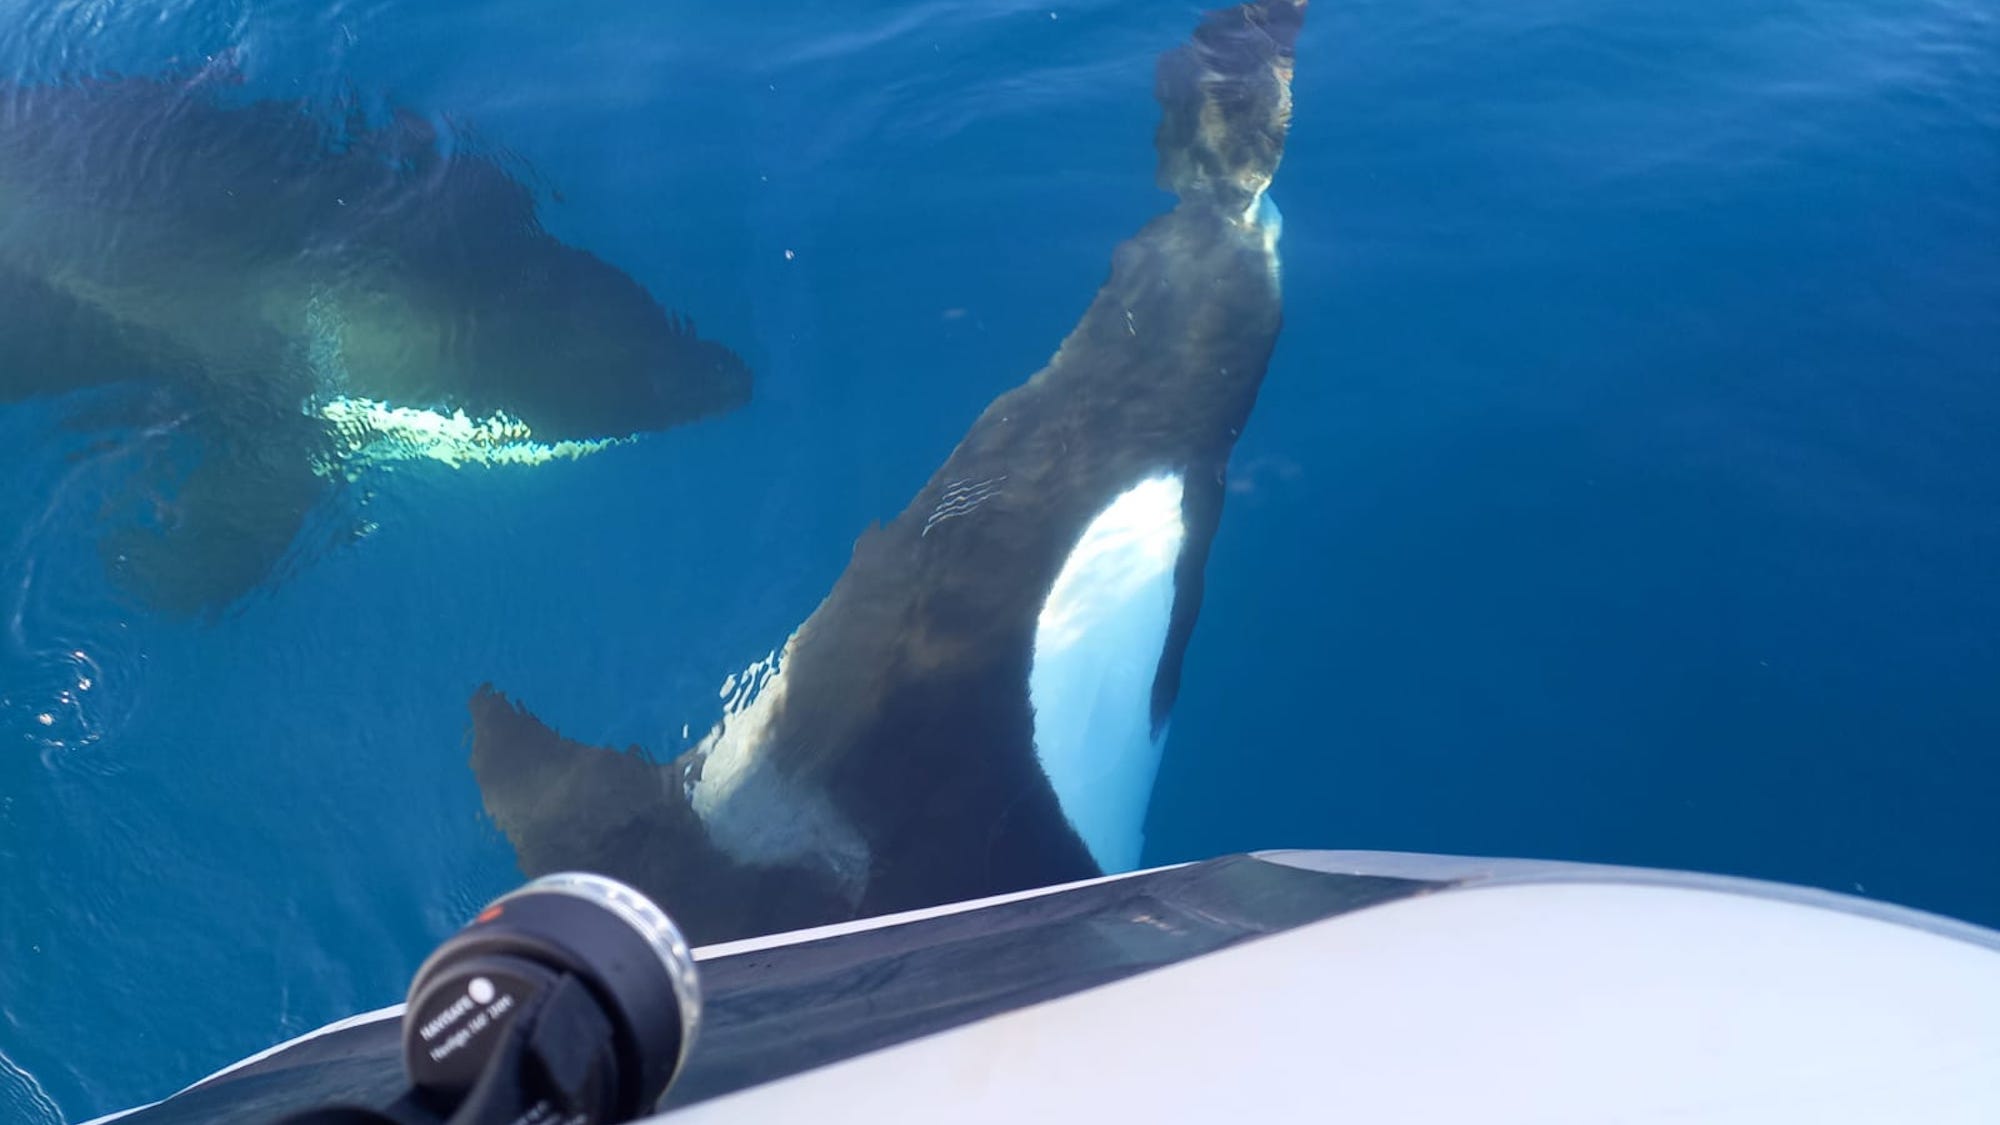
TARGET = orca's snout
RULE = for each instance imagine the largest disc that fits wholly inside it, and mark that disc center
(702, 377)
(1226, 103)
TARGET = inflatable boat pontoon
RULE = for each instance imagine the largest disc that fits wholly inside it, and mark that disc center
(1281, 986)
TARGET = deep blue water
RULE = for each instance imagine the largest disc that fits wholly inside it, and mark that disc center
(1625, 487)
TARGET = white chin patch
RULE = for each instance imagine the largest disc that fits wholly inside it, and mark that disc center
(1271, 222)
(1098, 644)
(369, 433)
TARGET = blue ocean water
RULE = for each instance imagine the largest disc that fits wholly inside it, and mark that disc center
(1624, 487)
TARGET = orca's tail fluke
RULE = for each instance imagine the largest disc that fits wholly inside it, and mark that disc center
(569, 806)
(1226, 100)
(566, 805)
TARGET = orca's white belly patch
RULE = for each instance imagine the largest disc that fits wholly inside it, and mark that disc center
(1098, 643)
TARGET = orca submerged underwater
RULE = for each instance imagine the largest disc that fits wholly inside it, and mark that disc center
(979, 704)
(263, 300)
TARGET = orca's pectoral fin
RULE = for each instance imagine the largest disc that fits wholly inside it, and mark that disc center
(568, 806)
(231, 524)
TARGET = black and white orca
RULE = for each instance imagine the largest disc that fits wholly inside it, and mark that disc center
(978, 706)
(275, 299)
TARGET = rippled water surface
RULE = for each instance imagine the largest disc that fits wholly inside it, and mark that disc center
(1624, 488)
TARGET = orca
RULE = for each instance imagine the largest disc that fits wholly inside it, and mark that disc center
(978, 705)
(258, 300)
